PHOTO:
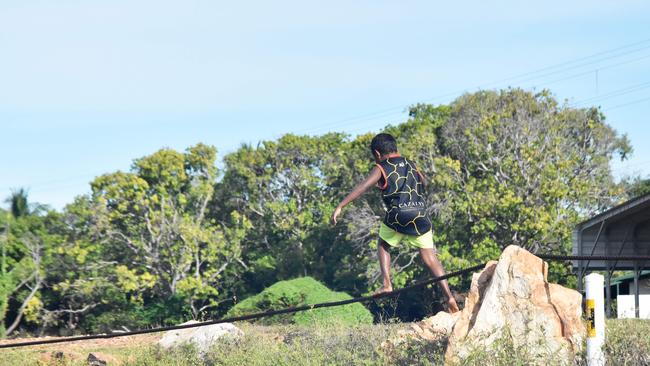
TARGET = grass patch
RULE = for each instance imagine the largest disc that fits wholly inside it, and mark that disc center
(298, 292)
(505, 351)
(295, 345)
(627, 343)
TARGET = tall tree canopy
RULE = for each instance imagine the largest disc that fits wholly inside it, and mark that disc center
(155, 218)
(175, 238)
(513, 167)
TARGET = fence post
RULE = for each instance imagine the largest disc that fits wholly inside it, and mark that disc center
(595, 315)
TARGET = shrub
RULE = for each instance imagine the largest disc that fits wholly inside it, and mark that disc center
(627, 342)
(303, 291)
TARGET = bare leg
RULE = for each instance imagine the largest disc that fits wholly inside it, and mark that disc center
(384, 264)
(435, 267)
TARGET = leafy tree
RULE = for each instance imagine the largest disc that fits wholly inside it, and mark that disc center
(154, 220)
(174, 237)
(18, 203)
(529, 167)
(505, 167)
(143, 247)
(513, 167)
(287, 189)
(21, 268)
(636, 186)
(81, 274)
(6, 281)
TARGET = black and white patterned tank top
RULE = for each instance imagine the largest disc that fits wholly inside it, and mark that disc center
(403, 194)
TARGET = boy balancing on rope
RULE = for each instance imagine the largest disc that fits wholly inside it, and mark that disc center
(402, 187)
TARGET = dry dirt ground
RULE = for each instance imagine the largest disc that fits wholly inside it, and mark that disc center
(63, 353)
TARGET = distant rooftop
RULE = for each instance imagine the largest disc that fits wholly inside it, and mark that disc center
(625, 278)
(627, 207)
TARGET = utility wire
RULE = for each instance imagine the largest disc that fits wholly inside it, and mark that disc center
(399, 110)
(547, 71)
(589, 72)
(627, 104)
(573, 76)
(612, 94)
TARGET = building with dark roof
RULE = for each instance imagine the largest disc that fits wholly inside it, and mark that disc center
(623, 230)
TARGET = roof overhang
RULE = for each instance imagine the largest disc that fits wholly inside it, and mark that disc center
(625, 208)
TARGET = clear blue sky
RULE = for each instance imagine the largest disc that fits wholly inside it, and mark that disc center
(87, 86)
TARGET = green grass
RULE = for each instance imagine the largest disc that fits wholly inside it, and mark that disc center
(308, 346)
(627, 343)
(298, 292)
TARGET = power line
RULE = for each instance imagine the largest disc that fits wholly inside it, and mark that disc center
(552, 67)
(589, 72)
(565, 69)
(614, 93)
(627, 104)
(587, 57)
(585, 64)
(573, 76)
(399, 110)
(344, 122)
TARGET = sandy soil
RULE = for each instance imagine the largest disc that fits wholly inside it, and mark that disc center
(127, 341)
(107, 349)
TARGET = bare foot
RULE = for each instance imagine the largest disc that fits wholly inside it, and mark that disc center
(451, 304)
(383, 290)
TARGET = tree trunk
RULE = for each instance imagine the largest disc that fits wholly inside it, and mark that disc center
(21, 310)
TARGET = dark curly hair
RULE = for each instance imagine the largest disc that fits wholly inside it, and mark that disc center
(384, 143)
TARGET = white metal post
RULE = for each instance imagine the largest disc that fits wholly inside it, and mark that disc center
(595, 314)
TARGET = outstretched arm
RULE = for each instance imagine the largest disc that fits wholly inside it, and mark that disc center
(363, 186)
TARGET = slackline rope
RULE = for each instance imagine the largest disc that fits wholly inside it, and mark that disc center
(250, 316)
(313, 306)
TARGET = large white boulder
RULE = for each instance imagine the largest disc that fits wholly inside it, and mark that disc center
(201, 337)
(512, 298)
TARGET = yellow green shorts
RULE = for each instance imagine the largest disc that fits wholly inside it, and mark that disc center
(394, 238)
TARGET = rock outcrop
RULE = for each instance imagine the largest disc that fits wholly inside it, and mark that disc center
(512, 298)
(431, 329)
(201, 337)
